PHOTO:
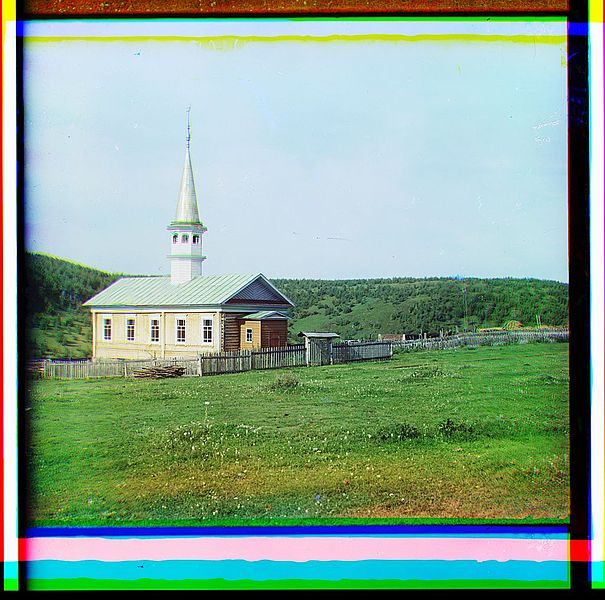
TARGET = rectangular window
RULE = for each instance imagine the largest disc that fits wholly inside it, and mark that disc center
(106, 329)
(130, 330)
(195, 239)
(155, 330)
(207, 331)
(249, 335)
(180, 331)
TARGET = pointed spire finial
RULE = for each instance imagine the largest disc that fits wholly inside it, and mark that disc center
(186, 209)
(188, 126)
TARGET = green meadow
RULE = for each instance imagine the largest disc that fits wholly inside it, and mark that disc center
(465, 434)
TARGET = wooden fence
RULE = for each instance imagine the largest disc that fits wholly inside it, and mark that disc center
(342, 353)
(276, 358)
(204, 364)
(247, 360)
(495, 338)
(87, 369)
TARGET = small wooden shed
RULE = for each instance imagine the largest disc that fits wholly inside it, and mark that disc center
(318, 345)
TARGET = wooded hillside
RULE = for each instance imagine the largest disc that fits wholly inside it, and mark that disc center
(364, 308)
(57, 325)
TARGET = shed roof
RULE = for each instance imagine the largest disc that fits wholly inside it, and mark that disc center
(264, 315)
(160, 291)
(317, 334)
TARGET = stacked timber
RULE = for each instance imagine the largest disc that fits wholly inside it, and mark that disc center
(35, 368)
(159, 372)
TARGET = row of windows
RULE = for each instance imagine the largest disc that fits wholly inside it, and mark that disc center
(154, 330)
(195, 239)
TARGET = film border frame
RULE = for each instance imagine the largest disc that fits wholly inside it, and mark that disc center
(576, 12)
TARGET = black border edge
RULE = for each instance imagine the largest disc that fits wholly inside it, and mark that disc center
(579, 287)
(22, 486)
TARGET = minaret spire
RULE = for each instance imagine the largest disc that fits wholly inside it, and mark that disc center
(188, 126)
(187, 228)
(186, 207)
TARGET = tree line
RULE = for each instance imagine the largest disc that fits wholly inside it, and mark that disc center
(366, 307)
(57, 324)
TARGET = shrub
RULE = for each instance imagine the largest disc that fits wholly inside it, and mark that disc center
(285, 382)
(397, 432)
(450, 428)
(547, 379)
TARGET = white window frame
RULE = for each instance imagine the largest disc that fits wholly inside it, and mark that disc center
(106, 328)
(128, 320)
(207, 328)
(249, 335)
(175, 238)
(185, 238)
(176, 330)
(195, 239)
(151, 322)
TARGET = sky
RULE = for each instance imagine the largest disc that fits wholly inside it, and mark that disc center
(357, 157)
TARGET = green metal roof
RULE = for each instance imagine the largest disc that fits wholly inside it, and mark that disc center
(265, 314)
(160, 291)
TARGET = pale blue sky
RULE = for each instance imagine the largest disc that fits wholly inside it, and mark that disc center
(311, 159)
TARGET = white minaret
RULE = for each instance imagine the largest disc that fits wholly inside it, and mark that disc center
(186, 230)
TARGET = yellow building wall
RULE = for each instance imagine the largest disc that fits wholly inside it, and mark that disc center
(256, 339)
(142, 347)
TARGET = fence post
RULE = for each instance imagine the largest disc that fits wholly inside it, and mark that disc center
(199, 365)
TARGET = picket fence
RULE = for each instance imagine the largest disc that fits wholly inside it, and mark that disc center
(248, 360)
(208, 364)
(283, 357)
(493, 338)
(350, 352)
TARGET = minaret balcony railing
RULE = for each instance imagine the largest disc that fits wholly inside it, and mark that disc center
(178, 226)
(188, 256)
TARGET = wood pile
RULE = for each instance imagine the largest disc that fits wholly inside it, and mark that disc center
(160, 372)
(35, 368)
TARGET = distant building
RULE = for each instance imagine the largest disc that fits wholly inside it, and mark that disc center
(391, 337)
(187, 313)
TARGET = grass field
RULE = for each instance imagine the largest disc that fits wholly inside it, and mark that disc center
(461, 434)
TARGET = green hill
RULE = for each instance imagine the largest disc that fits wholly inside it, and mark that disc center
(365, 308)
(57, 325)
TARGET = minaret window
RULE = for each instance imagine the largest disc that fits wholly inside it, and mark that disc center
(195, 239)
(185, 238)
(175, 238)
